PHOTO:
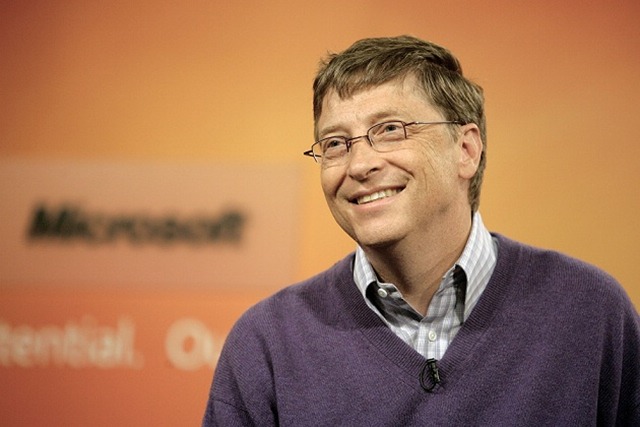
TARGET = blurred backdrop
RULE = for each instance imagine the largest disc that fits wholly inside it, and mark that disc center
(152, 185)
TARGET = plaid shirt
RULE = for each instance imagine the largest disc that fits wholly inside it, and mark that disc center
(450, 306)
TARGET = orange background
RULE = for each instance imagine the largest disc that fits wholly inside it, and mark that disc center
(204, 81)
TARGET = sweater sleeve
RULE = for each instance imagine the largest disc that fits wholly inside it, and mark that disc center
(629, 403)
(242, 392)
(618, 353)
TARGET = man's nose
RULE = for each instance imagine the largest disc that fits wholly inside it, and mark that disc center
(362, 158)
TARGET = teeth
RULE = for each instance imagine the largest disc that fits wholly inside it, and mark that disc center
(376, 196)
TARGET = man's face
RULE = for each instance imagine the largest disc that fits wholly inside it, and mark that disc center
(417, 188)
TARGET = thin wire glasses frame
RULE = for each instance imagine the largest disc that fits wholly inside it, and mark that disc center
(382, 137)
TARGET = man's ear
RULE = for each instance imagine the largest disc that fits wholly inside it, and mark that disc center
(470, 144)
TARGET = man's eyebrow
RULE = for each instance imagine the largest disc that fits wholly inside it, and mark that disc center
(329, 130)
(389, 114)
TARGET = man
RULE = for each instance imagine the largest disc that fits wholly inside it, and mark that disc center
(433, 320)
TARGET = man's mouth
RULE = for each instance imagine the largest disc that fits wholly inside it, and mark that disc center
(368, 198)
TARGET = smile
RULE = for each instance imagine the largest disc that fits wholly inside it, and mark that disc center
(368, 198)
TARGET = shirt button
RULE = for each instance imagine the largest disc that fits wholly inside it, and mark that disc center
(432, 336)
(382, 293)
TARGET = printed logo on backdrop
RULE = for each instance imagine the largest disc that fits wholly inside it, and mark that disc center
(147, 225)
(72, 222)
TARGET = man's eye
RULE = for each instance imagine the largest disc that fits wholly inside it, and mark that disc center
(332, 143)
(392, 128)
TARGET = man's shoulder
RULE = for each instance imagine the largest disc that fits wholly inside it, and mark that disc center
(300, 300)
(559, 273)
(551, 260)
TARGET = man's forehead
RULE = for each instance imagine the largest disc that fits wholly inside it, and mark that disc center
(395, 100)
(354, 86)
(335, 98)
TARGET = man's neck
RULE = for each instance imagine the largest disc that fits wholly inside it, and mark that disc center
(417, 264)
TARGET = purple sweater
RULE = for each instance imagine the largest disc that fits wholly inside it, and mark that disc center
(552, 341)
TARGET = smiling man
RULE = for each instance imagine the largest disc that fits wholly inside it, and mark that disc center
(433, 320)
(407, 207)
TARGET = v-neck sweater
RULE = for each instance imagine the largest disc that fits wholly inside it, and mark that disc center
(551, 341)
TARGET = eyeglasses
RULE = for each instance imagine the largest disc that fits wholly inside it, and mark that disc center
(382, 137)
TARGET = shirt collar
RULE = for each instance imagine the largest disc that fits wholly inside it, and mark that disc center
(477, 260)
